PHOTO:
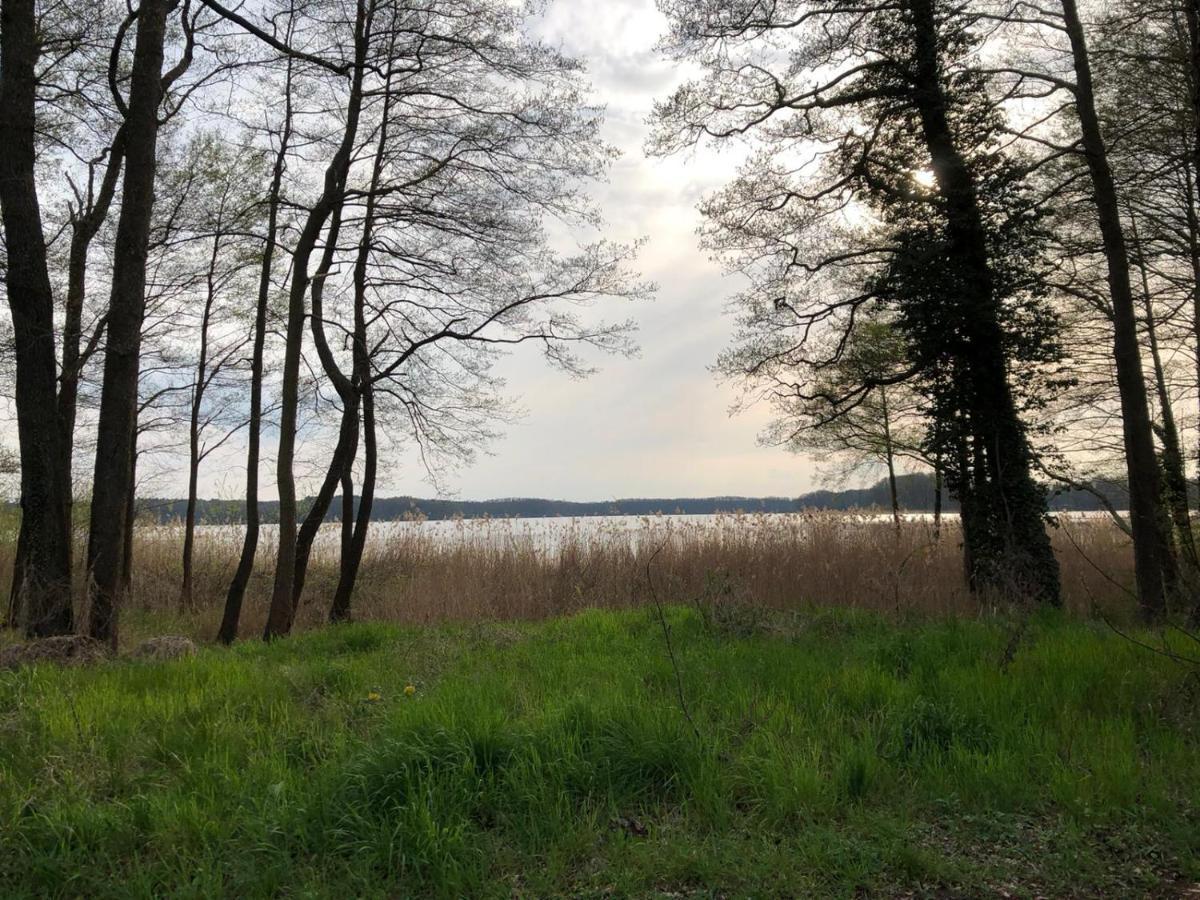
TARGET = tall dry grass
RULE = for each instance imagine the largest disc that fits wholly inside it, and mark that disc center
(499, 569)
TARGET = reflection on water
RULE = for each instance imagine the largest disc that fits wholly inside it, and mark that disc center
(550, 532)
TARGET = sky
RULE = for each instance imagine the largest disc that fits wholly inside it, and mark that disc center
(658, 424)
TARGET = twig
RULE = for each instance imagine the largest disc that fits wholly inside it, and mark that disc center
(899, 572)
(1169, 654)
(666, 630)
(1089, 488)
(1187, 634)
(1088, 560)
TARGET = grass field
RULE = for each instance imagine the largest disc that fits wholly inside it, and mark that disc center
(834, 753)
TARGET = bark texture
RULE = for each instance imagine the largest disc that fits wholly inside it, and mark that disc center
(1003, 508)
(127, 304)
(42, 601)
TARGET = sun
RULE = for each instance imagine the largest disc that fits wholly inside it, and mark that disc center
(924, 177)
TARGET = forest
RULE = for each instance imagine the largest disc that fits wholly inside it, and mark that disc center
(294, 241)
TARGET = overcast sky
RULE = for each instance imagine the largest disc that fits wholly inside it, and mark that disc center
(656, 425)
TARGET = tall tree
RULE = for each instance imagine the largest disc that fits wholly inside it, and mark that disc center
(118, 406)
(237, 586)
(880, 187)
(1147, 114)
(1154, 564)
(282, 610)
(457, 136)
(79, 130)
(45, 590)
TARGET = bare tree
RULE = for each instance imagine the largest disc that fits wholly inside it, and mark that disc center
(458, 135)
(45, 572)
(1061, 27)
(885, 427)
(112, 484)
(222, 179)
(237, 587)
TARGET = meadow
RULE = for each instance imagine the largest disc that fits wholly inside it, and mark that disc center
(816, 753)
(815, 709)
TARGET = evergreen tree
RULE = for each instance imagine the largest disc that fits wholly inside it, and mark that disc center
(909, 208)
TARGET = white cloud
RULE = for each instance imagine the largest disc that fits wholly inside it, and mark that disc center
(658, 424)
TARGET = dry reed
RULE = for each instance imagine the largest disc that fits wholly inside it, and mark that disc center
(514, 569)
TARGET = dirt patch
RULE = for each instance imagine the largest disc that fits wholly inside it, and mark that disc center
(62, 650)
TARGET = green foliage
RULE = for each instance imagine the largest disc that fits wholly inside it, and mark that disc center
(838, 752)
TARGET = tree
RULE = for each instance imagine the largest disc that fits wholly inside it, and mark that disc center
(78, 129)
(92, 197)
(1150, 544)
(1061, 22)
(282, 609)
(885, 426)
(237, 587)
(423, 246)
(217, 174)
(1146, 111)
(112, 482)
(44, 595)
(880, 187)
(1174, 475)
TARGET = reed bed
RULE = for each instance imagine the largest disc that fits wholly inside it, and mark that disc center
(493, 569)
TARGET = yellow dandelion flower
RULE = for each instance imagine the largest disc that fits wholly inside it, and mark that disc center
(374, 697)
(409, 690)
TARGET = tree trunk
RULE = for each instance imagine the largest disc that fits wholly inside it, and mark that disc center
(362, 385)
(130, 523)
(1174, 476)
(85, 225)
(189, 535)
(13, 616)
(198, 389)
(1010, 550)
(342, 463)
(282, 610)
(890, 456)
(937, 499)
(44, 594)
(279, 616)
(347, 507)
(351, 560)
(1150, 544)
(245, 568)
(346, 448)
(965, 507)
(118, 404)
(343, 455)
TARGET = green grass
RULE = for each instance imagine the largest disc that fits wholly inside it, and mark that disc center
(837, 753)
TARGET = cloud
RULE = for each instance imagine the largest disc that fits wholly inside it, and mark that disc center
(656, 425)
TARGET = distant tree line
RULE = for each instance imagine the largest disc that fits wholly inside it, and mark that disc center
(915, 493)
